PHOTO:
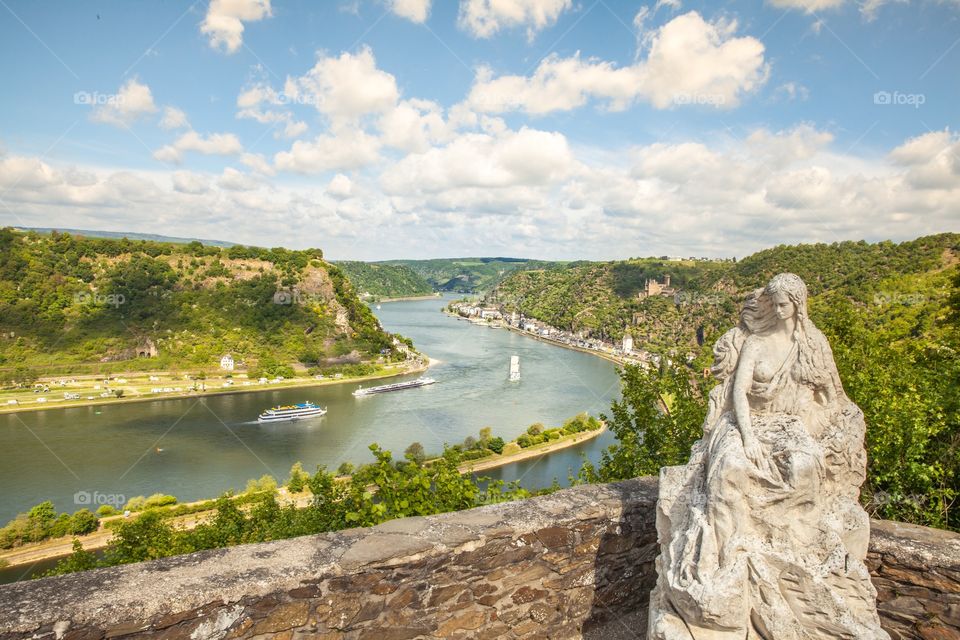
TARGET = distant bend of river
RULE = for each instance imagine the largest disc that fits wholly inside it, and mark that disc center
(197, 448)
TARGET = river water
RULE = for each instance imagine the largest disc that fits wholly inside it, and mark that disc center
(198, 448)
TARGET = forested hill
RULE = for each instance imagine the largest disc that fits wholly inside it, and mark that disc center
(601, 298)
(378, 280)
(67, 302)
(890, 311)
(466, 275)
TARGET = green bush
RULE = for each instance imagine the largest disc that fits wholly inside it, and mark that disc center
(495, 444)
(266, 483)
(298, 478)
(83, 522)
(159, 500)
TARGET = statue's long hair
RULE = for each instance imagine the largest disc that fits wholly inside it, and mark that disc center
(814, 364)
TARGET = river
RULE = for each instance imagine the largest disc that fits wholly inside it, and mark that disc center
(198, 448)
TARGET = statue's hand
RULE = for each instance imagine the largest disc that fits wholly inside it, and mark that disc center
(752, 448)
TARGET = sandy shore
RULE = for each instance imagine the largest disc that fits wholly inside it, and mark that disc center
(286, 384)
(535, 451)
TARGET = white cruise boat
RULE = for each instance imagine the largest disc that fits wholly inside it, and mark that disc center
(292, 412)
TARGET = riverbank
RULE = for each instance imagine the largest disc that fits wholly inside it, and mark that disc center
(497, 324)
(535, 451)
(389, 371)
(62, 547)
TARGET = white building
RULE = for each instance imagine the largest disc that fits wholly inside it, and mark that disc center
(226, 362)
(627, 343)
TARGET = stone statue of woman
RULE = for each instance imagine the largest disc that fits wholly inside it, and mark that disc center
(761, 533)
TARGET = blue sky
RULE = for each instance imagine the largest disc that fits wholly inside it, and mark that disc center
(544, 128)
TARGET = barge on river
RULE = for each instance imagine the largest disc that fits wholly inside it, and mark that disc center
(396, 386)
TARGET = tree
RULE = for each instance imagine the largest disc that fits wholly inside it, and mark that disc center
(82, 523)
(495, 444)
(535, 429)
(266, 482)
(79, 560)
(656, 421)
(298, 478)
(486, 434)
(146, 537)
(345, 469)
(415, 453)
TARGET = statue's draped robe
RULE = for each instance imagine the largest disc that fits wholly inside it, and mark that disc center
(772, 550)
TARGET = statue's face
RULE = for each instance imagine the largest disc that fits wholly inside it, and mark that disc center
(783, 305)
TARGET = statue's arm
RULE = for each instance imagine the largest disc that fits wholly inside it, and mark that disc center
(741, 406)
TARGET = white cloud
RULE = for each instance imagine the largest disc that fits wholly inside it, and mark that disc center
(414, 125)
(189, 182)
(790, 91)
(785, 147)
(347, 149)
(257, 163)
(528, 192)
(483, 18)
(233, 180)
(340, 186)
(345, 88)
(932, 161)
(414, 10)
(483, 161)
(250, 100)
(690, 61)
(223, 144)
(223, 23)
(174, 118)
(133, 100)
(923, 148)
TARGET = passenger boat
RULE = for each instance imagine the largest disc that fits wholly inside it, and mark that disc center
(292, 412)
(396, 386)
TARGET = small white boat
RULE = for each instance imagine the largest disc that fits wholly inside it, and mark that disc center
(292, 412)
(514, 368)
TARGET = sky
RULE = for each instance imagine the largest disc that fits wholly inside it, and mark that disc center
(551, 129)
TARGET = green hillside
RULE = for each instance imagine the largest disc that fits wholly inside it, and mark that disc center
(466, 275)
(70, 304)
(376, 280)
(601, 298)
(891, 313)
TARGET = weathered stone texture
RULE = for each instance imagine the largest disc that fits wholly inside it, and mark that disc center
(575, 563)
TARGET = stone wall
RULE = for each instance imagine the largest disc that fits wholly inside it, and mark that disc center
(578, 563)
